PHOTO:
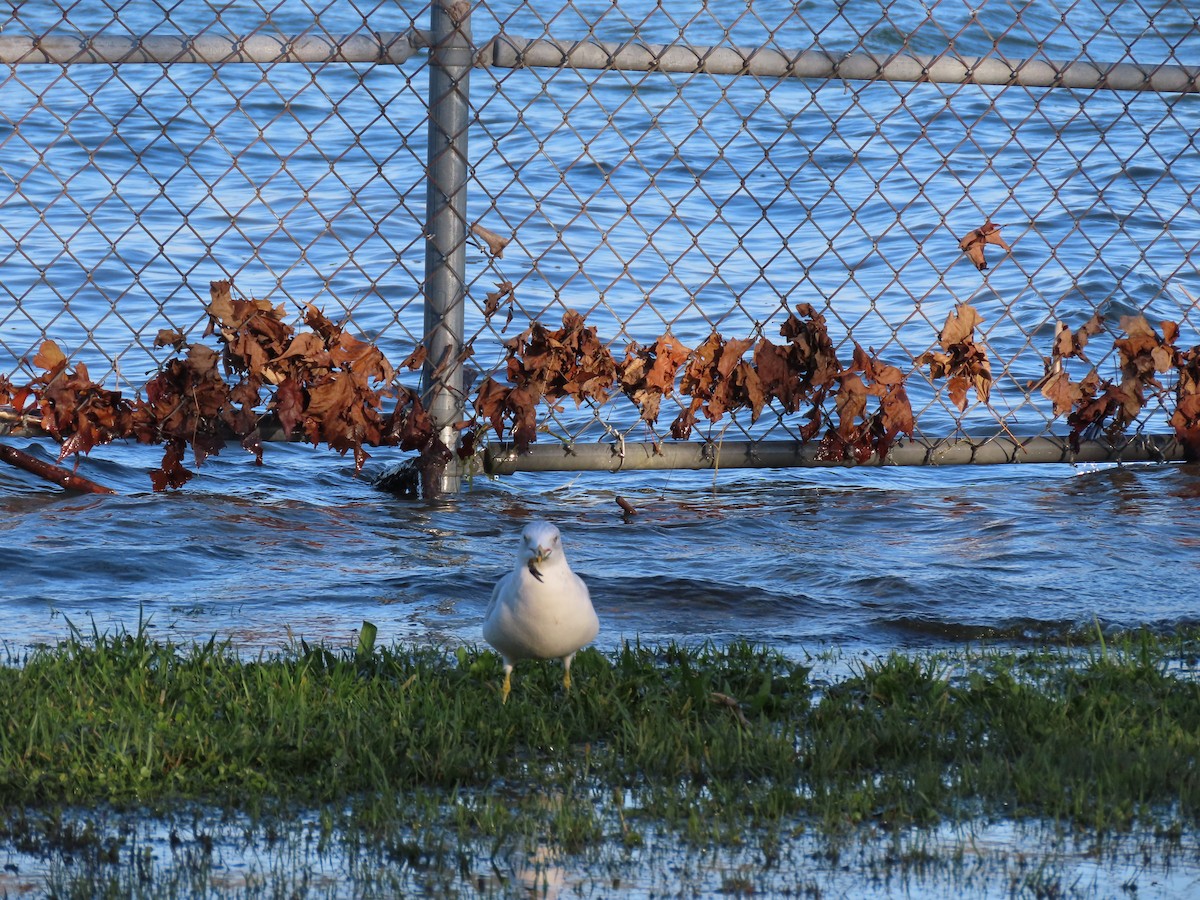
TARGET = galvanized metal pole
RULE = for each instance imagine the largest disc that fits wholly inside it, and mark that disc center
(450, 60)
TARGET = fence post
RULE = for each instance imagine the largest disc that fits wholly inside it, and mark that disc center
(450, 58)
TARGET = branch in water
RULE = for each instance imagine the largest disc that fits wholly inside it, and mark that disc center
(64, 478)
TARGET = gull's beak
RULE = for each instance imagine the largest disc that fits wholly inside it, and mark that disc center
(541, 556)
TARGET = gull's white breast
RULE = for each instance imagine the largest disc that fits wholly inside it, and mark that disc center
(547, 619)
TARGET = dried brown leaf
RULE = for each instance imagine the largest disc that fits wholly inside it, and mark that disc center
(960, 326)
(167, 337)
(957, 387)
(288, 405)
(1061, 392)
(49, 356)
(495, 243)
(648, 373)
(416, 359)
(503, 296)
(1069, 344)
(975, 241)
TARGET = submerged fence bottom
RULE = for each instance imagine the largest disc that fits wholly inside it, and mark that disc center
(616, 457)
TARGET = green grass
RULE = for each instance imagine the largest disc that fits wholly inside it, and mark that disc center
(382, 742)
(125, 719)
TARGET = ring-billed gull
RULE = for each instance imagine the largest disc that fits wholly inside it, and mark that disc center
(541, 609)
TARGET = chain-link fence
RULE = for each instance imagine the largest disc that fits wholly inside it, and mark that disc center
(639, 234)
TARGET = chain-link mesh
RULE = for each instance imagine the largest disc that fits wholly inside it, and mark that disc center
(682, 202)
(128, 188)
(662, 169)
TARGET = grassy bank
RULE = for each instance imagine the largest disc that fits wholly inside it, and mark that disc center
(734, 745)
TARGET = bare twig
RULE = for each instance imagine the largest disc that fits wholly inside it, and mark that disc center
(64, 478)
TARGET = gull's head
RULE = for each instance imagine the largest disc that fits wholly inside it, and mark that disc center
(540, 543)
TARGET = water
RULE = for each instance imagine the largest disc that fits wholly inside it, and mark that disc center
(806, 561)
(718, 226)
(202, 848)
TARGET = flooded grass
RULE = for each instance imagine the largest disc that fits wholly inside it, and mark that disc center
(134, 767)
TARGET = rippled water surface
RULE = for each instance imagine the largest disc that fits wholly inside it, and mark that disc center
(786, 194)
(869, 560)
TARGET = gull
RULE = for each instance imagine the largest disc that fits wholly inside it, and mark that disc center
(541, 609)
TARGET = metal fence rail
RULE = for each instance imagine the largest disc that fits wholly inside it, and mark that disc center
(514, 52)
(485, 180)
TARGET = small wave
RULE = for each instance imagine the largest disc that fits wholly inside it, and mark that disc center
(696, 595)
(1026, 630)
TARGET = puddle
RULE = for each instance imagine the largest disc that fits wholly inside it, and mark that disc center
(209, 853)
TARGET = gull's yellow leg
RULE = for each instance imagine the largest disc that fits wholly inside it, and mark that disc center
(567, 672)
(507, 687)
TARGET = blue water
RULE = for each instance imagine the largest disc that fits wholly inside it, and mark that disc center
(807, 561)
(122, 197)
